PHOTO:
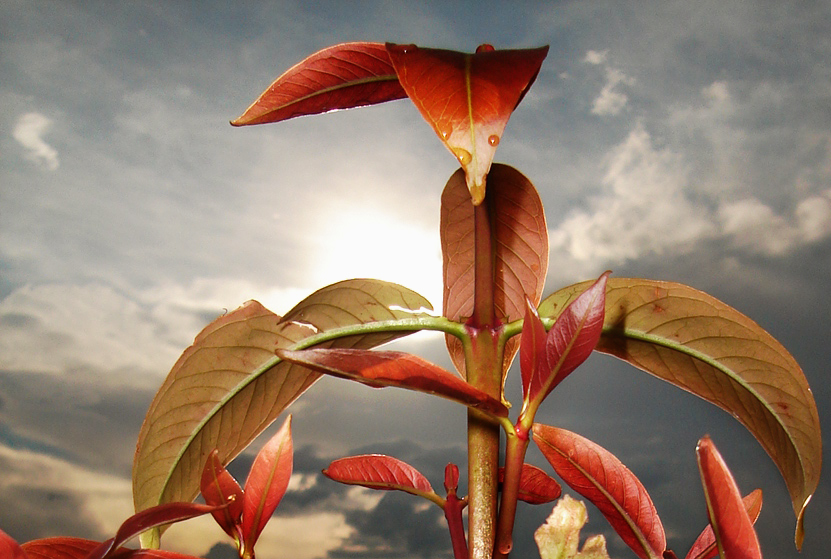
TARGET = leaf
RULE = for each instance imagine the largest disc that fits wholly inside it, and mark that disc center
(705, 546)
(520, 240)
(159, 515)
(339, 77)
(559, 537)
(77, 548)
(569, 342)
(267, 483)
(377, 471)
(731, 523)
(229, 386)
(219, 487)
(702, 345)
(467, 98)
(391, 368)
(9, 549)
(535, 486)
(600, 477)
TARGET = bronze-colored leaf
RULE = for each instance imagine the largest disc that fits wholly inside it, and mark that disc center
(520, 241)
(229, 385)
(704, 346)
(338, 77)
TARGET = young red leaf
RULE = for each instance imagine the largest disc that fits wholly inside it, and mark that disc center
(339, 77)
(451, 478)
(266, 484)
(159, 515)
(705, 546)
(520, 260)
(731, 523)
(9, 549)
(535, 486)
(377, 471)
(569, 342)
(77, 548)
(600, 477)
(219, 488)
(531, 348)
(391, 368)
(467, 98)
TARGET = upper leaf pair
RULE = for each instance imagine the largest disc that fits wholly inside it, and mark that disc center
(466, 98)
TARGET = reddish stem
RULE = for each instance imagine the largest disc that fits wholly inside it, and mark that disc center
(516, 446)
(453, 507)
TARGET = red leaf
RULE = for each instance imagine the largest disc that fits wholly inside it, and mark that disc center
(467, 98)
(159, 515)
(218, 488)
(535, 486)
(377, 471)
(77, 548)
(531, 348)
(600, 477)
(339, 77)
(569, 342)
(451, 478)
(729, 518)
(266, 484)
(391, 368)
(9, 549)
(519, 239)
(705, 545)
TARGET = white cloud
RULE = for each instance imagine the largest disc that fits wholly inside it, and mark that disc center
(611, 100)
(29, 131)
(642, 210)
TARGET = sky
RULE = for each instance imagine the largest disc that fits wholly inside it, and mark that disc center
(685, 141)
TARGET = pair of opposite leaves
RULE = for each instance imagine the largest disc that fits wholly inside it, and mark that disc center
(466, 98)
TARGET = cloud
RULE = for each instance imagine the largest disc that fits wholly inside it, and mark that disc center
(611, 100)
(29, 131)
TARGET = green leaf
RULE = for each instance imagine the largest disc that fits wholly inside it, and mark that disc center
(704, 346)
(229, 385)
(520, 240)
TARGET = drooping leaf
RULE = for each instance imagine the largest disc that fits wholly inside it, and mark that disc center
(467, 98)
(731, 523)
(559, 537)
(600, 477)
(267, 483)
(535, 486)
(520, 241)
(10, 549)
(392, 368)
(219, 487)
(338, 77)
(570, 341)
(159, 515)
(229, 385)
(377, 471)
(77, 548)
(706, 347)
(705, 546)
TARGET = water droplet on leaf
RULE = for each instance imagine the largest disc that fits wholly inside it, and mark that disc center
(485, 47)
(462, 155)
(407, 49)
(493, 140)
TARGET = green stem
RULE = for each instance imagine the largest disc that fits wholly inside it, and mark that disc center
(483, 364)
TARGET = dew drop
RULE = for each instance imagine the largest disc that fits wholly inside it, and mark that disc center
(444, 133)
(485, 47)
(493, 140)
(462, 155)
(407, 49)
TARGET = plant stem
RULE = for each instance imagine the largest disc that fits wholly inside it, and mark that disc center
(516, 446)
(483, 364)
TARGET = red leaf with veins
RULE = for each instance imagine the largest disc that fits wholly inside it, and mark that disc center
(569, 342)
(144, 520)
(600, 477)
(705, 544)
(467, 98)
(377, 471)
(731, 523)
(218, 488)
(9, 549)
(392, 368)
(535, 486)
(77, 548)
(339, 77)
(267, 483)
